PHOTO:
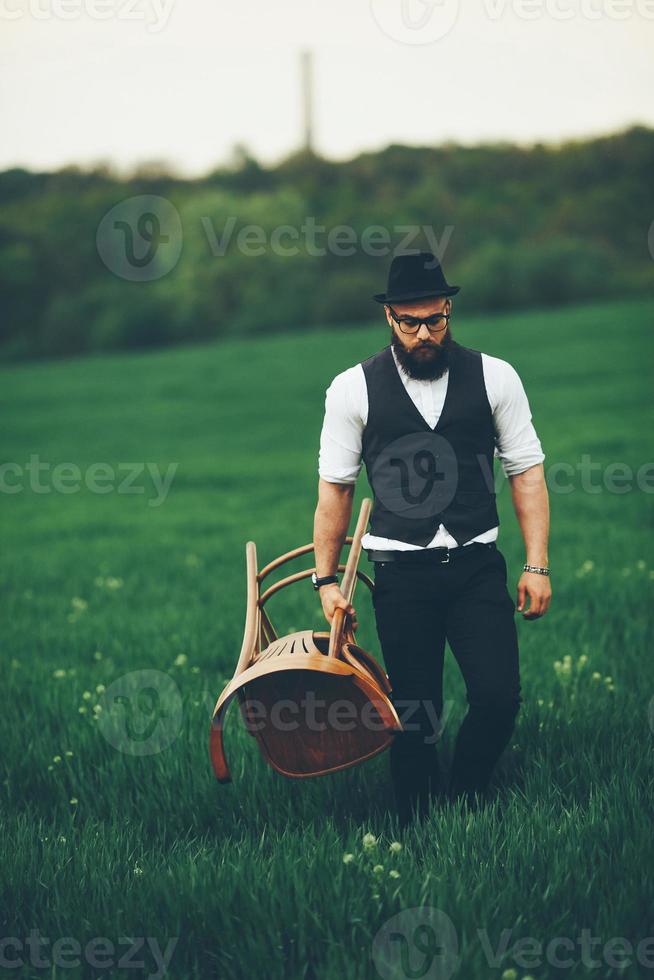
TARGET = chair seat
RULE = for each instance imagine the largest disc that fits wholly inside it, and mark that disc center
(311, 714)
(315, 701)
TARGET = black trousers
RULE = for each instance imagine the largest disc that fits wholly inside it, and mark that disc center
(418, 606)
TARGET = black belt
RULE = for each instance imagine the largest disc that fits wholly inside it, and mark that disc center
(439, 556)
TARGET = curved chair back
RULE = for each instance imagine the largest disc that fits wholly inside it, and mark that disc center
(296, 690)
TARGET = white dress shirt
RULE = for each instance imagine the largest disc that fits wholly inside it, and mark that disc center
(346, 412)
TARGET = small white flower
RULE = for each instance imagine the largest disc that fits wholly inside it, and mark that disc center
(100, 689)
(369, 840)
(59, 672)
(180, 660)
(348, 858)
(73, 801)
(395, 847)
(394, 873)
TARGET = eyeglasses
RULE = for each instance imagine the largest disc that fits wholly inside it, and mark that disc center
(411, 324)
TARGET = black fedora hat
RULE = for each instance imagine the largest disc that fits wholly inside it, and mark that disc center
(413, 276)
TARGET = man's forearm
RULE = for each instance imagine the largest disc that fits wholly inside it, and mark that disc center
(531, 503)
(330, 525)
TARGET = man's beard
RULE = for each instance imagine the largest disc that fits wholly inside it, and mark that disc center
(424, 365)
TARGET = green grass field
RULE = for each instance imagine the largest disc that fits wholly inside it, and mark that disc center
(249, 880)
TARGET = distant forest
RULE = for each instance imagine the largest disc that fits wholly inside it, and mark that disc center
(308, 241)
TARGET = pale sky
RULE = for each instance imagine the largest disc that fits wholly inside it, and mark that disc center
(128, 81)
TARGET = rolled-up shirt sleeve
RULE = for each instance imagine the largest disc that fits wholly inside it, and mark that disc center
(517, 445)
(339, 457)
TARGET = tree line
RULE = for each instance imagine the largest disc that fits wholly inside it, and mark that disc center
(92, 260)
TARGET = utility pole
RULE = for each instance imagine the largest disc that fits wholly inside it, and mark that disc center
(306, 67)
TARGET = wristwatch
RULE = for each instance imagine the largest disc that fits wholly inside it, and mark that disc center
(325, 580)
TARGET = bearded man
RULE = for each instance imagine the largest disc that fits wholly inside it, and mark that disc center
(427, 416)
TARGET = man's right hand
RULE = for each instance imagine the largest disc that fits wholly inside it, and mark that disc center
(332, 598)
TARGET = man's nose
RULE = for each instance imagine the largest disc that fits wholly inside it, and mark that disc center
(423, 332)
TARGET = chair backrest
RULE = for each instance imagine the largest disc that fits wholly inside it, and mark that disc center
(274, 669)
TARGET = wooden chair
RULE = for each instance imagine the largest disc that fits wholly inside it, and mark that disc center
(277, 677)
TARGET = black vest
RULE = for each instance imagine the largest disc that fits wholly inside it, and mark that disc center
(422, 477)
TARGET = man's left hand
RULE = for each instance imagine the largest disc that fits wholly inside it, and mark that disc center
(539, 590)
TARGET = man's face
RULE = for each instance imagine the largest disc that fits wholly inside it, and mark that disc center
(425, 354)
